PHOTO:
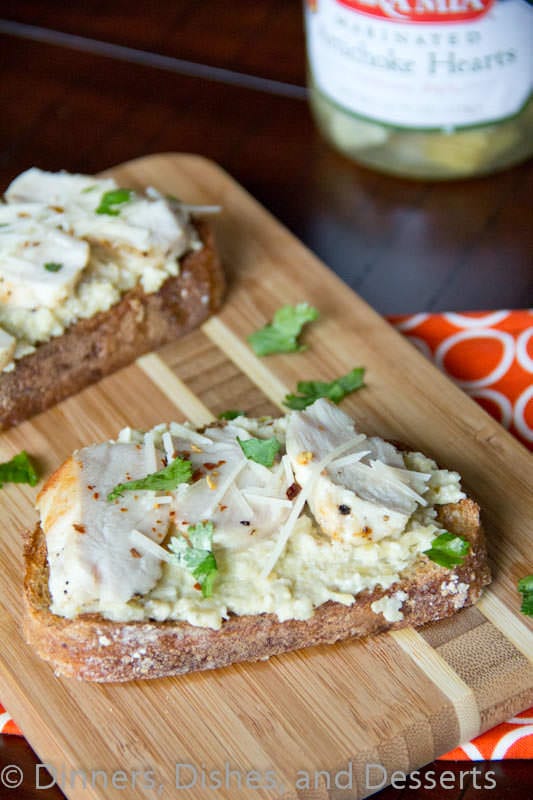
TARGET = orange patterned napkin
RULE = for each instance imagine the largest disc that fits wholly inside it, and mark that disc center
(490, 356)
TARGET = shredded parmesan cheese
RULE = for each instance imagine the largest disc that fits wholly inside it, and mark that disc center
(168, 444)
(352, 458)
(299, 503)
(183, 432)
(223, 487)
(147, 545)
(150, 453)
(255, 497)
(391, 476)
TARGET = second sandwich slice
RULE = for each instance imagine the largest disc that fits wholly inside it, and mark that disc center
(93, 275)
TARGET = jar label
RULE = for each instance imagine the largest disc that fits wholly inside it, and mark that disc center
(423, 64)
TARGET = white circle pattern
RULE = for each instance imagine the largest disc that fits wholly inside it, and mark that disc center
(486, 320)
(522, 356)
(503, 403)
(498, 372)
(420, 345)
(411, 322)
(518, 416)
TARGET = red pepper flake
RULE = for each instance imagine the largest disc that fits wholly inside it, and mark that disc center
(198, 586)
(135, 553)
(78, 527)
(197, 475)
(123, 509)
(172, 513)
(164, 461)
(293, 490)
(210, 465)
(90, 487)
(221, 507)
(96, 495)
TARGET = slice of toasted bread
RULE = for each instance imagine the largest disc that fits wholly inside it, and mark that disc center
(96, 649)
(99, 345)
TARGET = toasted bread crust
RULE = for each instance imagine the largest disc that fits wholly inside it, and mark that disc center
(95, 649)
(95, 347)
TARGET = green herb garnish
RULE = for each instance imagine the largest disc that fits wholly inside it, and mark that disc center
(195, 552)
(309, 391)
(262, 451)
(18, 470)
(448, 550)
(53, 266)
(281, 335)
(525, 587)
(166, 479)
(89, 189)
(110, 200)
(231, 414)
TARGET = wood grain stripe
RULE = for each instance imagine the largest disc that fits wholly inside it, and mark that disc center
(507, 622)
(173, 388)
(442, 675)
(243, 357)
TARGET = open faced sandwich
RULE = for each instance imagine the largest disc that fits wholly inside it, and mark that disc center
(181, 549)
(91, 276)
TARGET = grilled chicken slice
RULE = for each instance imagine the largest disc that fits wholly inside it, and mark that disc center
(245, 500)
(361, 488)
(88, 538)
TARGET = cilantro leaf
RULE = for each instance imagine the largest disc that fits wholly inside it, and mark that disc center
(281, 335)
(178, 471)
(336, 390)
(448, 550)
(196, 554)
(231, 414)
(203, 566)
(201, 535)
(53, 266)
(525, 587)
(110, 200)
(262, 451)
(18, 470)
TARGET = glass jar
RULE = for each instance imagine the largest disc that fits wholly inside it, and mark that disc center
(435, 89)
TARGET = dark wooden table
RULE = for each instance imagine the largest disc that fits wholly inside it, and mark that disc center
(85, 86)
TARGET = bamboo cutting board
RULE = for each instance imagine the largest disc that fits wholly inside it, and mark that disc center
(318, 716)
